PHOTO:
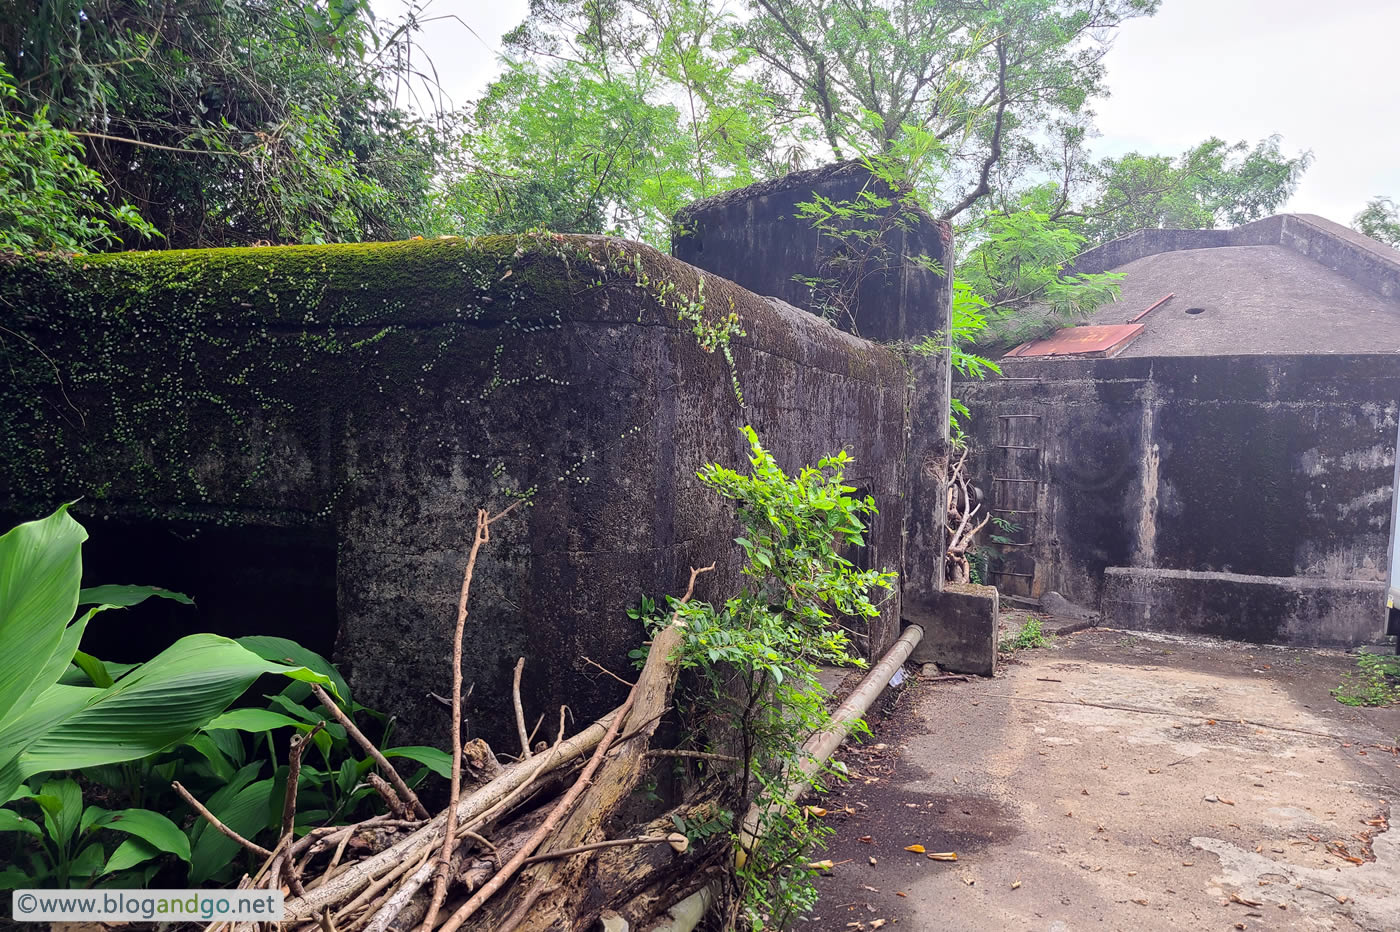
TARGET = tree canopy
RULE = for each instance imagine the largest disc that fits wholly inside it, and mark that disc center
(222, 122)
(225, 122)
(1380, 220)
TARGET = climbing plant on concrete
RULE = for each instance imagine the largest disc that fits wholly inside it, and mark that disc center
(152, 375)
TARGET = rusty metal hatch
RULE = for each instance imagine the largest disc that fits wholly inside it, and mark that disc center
(1095, 340)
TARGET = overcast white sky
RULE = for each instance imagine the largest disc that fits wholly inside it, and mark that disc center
(1320, 74)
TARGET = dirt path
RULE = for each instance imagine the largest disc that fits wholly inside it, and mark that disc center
(1113, 781)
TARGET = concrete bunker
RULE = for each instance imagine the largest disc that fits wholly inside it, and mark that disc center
(343, 410)
(1228, 472)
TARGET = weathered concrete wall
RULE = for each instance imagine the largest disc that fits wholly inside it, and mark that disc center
(1300, 611)
(960, 629)
(1263, 466)
(385, 392)
(756, 237)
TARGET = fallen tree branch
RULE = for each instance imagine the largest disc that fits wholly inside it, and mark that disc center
(214, 821)
(400, 787)
(556, 814)
(512, 778)
(698, 755)
(676, 840)
(593, 663)
(386, 793)
(286, 856)
(520, 711)
(645, 703)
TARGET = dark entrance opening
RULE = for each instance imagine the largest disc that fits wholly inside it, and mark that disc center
(244, 580)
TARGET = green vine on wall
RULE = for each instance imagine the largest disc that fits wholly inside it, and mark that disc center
(150, 377)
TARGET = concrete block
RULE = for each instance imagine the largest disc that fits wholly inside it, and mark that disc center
(960, 628)
(1296, 611)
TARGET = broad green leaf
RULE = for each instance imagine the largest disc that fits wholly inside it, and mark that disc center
(12, 878)
(62, 802)
(54, 668)
(125, 596)
(310, 717)
(88, 862)
(347, 776)
(74, 675)
(11, 821)
(52, 706)
(129, 853)
(218, 761)
(95, 669)
(231, 743)
(287, 651)
(246, 813)
(439, 762)
(178, 692)
(152, 827)
(40, 572)
(251, 720)
(224, 794)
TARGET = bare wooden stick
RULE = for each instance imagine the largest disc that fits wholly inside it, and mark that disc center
(520, 791)
(386, 793)
(289, 802)
(401, 787)
(449, 837)
(396, 903)
(593, 663)
(698, 755)
(483, 841)
(565, 804)
(359, 873)
(214, 821)
(520, 710)
(674, 839)
(534, 731)
(368, 894)
(555, 816)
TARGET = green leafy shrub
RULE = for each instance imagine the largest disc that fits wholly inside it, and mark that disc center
(756, 656)
(49, 198)
(1029, 637)
(1376, 682)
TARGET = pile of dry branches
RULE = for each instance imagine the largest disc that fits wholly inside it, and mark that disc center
(518, 847)
(966, 517)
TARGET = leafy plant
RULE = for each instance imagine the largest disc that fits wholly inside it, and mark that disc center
(225, 122)
(1029, 637)
(127, 731)
(73, 844)
(1375, 683)
(48, 725)
(1017, 266)
(1380, 220)
(49, 198)
(756, 656)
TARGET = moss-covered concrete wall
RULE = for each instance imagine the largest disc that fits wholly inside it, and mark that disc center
(386, 391)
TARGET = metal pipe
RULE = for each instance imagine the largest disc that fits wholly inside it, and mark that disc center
(686, 915)
(819, 748)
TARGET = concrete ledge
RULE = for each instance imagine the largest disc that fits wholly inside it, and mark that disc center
(960, 628)
(1297, 611)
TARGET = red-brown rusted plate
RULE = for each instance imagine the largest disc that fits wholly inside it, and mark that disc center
(1097, 340)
